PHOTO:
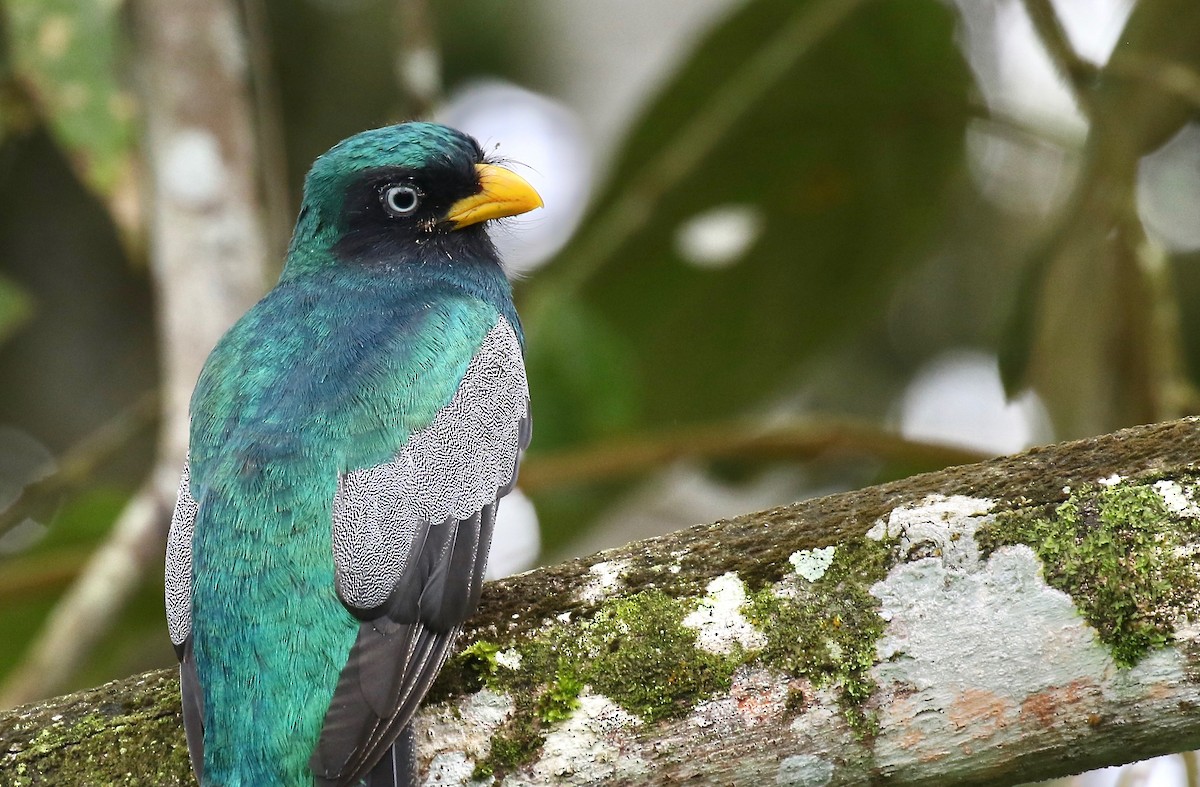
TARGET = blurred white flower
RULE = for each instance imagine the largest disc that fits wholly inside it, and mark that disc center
(958, 398)
(516, 541)
(1168, 191)
(541, 140)
(720, 236)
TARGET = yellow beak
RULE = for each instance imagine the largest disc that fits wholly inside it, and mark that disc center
(502, 193)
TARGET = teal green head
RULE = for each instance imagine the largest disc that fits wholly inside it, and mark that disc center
(407, 192)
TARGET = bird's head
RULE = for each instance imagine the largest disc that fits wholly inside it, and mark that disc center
(405, 192)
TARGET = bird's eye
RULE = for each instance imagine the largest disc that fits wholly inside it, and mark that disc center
(400, 200)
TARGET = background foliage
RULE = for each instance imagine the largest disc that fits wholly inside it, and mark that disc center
(892, 209)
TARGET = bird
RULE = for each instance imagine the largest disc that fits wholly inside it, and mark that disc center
(350, 438)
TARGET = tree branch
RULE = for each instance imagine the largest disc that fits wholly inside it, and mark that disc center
(798, 440)
(418, 58)
(1019, 619)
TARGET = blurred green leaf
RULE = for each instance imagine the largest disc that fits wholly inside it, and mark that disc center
(1149, 88)
(15, 307)
(1084, 327)
(582, 359)
(832, 128)
(67, 54)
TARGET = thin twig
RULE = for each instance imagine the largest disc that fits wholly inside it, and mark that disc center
(1079, 74)
(268, 125)
(1022, 131)
(78, 464)
(795, 441)
(418, 58)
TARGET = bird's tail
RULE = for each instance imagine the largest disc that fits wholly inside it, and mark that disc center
(398, 768)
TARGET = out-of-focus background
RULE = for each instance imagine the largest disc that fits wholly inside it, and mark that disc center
(790, 248)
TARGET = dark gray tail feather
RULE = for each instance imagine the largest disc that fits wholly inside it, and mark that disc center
(398, 768)
(193, 706)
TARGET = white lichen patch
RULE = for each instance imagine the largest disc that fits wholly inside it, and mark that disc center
(979, 654)
(452, 738)
(804, 770)
(606, 578)
(587, 748)
(509, 659)
(939, 527)
(449, 769)
(812, 563)
(967, 643)
(719, 622)
(1179, 500)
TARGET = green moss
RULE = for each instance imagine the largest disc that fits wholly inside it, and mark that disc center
(826, 631)
(140, 727)
(638, 653)
(633, 650)
(479, 660)
(515, 743)
(562, 699)
(466, 672)
(795, 701)
(1117, 551)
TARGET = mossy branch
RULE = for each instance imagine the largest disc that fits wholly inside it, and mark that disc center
(1018, 619)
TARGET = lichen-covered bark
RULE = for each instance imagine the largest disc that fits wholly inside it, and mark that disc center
(1017, 619)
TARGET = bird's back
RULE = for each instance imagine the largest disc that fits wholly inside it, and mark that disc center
(294, 397)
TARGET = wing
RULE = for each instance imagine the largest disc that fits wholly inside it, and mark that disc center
(179, 615)
(410, 542)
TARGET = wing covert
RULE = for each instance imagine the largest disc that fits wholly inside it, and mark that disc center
(462, 461)
(179, 614)
(410, 540)
(179, 563)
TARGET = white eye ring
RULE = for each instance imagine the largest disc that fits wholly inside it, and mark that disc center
(400, 200)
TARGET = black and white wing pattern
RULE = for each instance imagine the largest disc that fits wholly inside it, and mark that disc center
(410, 540)
(179, 615)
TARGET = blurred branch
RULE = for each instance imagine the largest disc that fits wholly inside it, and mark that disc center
(1169, 388)
(419, 58)
(1079, 74)
(723, 106)
(795, 441)
(1021, 130)
(78, 463)
(1097, 331)
(278, 211)
(208, 264)
(1191, 768)
(41, 572)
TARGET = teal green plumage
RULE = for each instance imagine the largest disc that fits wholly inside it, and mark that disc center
(364, 341)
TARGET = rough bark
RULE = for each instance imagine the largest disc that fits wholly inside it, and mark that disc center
(1018, 619)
